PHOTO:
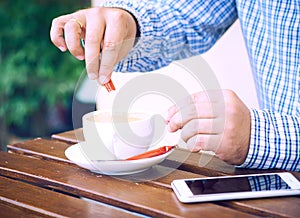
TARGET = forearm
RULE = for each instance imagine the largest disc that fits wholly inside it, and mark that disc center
(172, 30)
(275, 141)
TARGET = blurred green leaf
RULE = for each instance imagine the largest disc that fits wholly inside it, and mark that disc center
(32, 70)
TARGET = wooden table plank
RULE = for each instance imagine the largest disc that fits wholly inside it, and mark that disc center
(54, 150)
(41, 148)
(139, 197)
(43, 202)
(214, 167)
(8, 210)
(72, 136)
(180, 158)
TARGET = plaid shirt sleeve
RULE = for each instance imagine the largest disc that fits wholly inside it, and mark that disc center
(274, 141)
(271, 32)
(173, 29)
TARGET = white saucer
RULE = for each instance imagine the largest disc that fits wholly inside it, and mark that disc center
(112, 167)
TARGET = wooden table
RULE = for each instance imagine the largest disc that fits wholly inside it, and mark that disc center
(37, 180)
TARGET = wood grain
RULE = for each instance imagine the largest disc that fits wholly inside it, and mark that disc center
(154, 201)
(10, 210)
(124, 192)
(42, 202)
(259, 206)
(72, 136)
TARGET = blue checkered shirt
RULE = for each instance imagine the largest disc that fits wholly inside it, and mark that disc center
(175, 29)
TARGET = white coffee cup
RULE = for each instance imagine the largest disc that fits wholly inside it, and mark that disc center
(115, 135)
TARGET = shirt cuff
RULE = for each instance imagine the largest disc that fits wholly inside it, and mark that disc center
(254, 153)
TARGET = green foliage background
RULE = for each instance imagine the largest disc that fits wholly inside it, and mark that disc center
(33, 72)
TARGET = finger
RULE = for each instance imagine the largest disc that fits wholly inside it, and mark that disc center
(95, 27)
(204, 142)
(193, 111)
(57, 32)
(171, 112)
(115, 33)
(109, 55)
(73, 33)
(179, 105)
(201, 126)
(126, 47)
(194, 99)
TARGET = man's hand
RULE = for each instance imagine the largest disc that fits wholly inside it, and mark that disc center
(215, 120)
(108, 33)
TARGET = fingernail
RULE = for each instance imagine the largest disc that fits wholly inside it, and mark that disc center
(80, 57)
(92, 76)
(63, 49)
(169, 128)
(165, 115)
(102, 79)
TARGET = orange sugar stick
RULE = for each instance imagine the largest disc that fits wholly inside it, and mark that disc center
(109, 86)
(152, 153)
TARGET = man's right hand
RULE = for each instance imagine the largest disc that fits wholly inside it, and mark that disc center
(108, 33)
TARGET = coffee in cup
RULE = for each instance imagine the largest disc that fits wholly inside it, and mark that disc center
(116, 135)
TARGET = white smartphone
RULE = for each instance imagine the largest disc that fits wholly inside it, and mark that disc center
(236, 187)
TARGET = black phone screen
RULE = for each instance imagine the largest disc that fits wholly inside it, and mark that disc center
(237, 184)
